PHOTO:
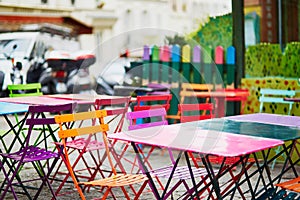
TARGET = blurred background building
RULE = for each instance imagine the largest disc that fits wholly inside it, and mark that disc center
(109, 27)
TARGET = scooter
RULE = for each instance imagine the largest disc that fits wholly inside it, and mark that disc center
(79, 80)
(66, 73)
(15, 77)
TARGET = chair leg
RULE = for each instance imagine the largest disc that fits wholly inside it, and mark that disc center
(277, 151)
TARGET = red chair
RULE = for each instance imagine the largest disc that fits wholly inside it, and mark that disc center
(116, 107)
(153, 101)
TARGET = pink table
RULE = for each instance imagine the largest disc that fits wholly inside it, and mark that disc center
(188, 137)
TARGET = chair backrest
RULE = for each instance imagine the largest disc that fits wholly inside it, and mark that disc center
(38, 115)
(191, 90)
(153, 101)
(93, 123)
(152, 117)
(114, 106)
(194, 112)
(20, 90)
(275, 96)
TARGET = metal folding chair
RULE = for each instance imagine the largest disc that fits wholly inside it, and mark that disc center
(116, 108)
(276, 96)
(156, 117)
(21, 90)
(153, 101)
(90, 167)
(94, 124)
(33, 151)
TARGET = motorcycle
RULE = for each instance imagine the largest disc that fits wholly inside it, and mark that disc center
(66, 73)
(117, 73)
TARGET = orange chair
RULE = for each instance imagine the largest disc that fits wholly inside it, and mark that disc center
(94, 124)
(292, 185)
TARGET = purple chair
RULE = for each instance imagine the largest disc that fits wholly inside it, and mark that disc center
(33, 151)
(156, 117)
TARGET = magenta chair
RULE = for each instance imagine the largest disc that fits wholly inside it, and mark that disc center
(33, 151)
(156, 117)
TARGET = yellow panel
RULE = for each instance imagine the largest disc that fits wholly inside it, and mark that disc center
(186, 54)
(82, 131)
(80, 116)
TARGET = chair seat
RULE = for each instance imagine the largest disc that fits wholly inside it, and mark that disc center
(118, 180)
(181, 172)
(293, 185)
(228, 161)
(33, 153)
(79, 144)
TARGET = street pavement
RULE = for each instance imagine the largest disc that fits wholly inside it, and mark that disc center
(158, 158)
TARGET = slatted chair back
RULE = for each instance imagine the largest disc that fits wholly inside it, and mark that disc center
(152, 117)
(194, 112)
(188, 94)
(116, 108)
(96, 127)
(21, 90)
(35, 151)
(189, 90)
(153, 101)
(275, 96)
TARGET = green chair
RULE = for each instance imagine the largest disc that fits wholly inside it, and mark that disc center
(21, 90)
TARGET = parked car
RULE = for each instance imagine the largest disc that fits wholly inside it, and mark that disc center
(27, 50)
(116, 73)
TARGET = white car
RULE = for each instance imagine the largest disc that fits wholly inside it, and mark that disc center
(27, 49)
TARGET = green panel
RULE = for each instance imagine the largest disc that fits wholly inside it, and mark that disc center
(196, 68)
(146, 72)
(165, 74)
(186, 72)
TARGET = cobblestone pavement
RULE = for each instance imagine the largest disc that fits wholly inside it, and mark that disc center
(157, 159)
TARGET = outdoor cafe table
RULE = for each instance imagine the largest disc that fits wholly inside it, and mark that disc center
(272, 126)
(191, 137)
(7, 109)
(223, 95)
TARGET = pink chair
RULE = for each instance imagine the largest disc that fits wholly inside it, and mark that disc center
(156, 117)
